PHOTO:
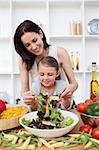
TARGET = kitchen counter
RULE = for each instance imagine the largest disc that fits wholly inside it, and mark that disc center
(75, 130)
(73, 148)
(45, 148)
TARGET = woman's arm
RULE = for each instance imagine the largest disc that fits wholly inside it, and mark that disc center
(27, 94)
(64, 60)
(24, 76)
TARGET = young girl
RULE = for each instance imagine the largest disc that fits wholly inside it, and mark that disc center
(48, 70)
(30, 43)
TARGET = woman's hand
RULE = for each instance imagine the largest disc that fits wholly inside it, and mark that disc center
(28, 97)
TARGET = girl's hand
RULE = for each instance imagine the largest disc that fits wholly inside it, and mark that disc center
(28, 97)
(66, 93)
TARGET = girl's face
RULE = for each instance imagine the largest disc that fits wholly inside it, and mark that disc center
(47, 75)
(33, 42)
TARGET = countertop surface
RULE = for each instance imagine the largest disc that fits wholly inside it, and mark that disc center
(75, 130)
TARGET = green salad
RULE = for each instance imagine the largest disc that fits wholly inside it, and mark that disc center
(48, 114)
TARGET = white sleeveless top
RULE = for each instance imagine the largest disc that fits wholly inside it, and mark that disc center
(34, 73)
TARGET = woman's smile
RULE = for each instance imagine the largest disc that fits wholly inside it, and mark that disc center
(33, 42)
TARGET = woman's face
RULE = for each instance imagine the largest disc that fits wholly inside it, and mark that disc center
(47, 75)
(33, 42)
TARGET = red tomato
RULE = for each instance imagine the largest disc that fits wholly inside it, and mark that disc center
(2, 106)
(96, 99)
(95, 133)
(88, 101)
(81, 107)
(85, 128)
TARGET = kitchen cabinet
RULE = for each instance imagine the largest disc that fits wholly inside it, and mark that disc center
(55, 17)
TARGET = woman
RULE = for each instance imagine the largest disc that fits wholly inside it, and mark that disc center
(30, 43)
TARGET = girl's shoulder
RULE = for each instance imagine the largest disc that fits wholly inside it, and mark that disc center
(60, 84)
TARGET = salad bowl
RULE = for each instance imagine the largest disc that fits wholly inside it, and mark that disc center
(49, 133)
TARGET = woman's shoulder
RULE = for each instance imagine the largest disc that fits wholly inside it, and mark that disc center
(61, 50)
(57, 51)
(57, 48)
(62, 54)
(53, 51)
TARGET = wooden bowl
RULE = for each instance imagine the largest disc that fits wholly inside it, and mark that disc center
(12, 122)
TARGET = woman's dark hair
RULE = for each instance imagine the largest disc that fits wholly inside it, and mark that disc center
(27, 26)
(49, 62)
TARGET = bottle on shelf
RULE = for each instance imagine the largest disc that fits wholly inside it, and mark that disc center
(72, 60)
(78, 27)
(73, 28)
(94, 83)
(77, 61)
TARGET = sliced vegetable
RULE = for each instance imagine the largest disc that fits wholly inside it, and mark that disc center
(85, 128)
(67, 121)
(26, 121)
(57, 144)
(25, 144)
(91, 122)
(97, 121)
(31, 142)
(46, 143)
(88, 145)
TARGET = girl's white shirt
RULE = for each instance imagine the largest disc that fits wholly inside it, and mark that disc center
(34, 77)
(59, 85)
